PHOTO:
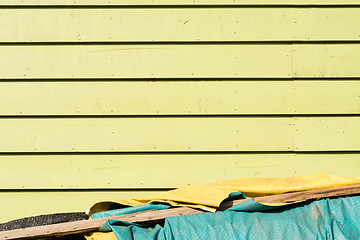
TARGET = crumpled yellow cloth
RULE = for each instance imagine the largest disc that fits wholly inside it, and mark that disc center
(209, 196)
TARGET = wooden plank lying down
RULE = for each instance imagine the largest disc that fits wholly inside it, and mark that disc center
(300, 196)
(93, 224)
(146, 216)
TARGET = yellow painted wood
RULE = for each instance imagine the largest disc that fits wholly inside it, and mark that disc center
(327, 60)
(179, 134)
(210, 24)
(174, 2)
(146, 134)
(149, 171)
(326, 23)
(14, 205)
(326, 97)
(157, 98)
(168, 61)
(145, 61)
(328, 133)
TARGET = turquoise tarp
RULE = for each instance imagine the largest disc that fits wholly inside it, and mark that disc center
(322, 219)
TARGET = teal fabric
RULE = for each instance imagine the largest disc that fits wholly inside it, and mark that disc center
(322, 219)
(133, 231)
(129, 210)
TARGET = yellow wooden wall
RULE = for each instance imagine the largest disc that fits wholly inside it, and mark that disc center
(104, 100)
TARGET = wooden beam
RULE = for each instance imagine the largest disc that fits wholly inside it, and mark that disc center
(92, 224)
(150, 215)
(299, 196)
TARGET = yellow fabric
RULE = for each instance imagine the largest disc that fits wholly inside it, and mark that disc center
(100, 236)
(209, 196)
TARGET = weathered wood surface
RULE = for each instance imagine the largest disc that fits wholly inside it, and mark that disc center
(300, 196)
(93, 224)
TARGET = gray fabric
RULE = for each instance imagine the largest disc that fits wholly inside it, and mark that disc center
(46, 220)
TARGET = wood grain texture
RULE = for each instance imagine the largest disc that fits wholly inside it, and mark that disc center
(164, 98)
(95, 224)
(146, 134)
(311, 194)
(189, 25)
(147, 171)
(61, 229)
(288, 198)
(145, 61)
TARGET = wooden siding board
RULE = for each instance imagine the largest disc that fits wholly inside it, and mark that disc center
(146, 134)
(164, 98)
(327, 133)
(180, 134)
(22, 176)
(326, 97)
(210, 24)
(133, 171)
(324, 24)
(326, 60)
(174, 2)
(145, 61)
(146, 98)
(20, 204)
(180, 61)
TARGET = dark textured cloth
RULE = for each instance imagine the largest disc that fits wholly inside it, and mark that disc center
(46, 220)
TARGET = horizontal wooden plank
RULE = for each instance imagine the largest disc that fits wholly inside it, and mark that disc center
(173, 2)
(91, 225)
(296, 197)
(335, 133)
(326, 97)
(158, 98)
(146, 216)
(327, 60)
(145, 61)
(149, 171)
(179, 134)
(180, 61)
(210, 24)
(146, 134)
(14, 205)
